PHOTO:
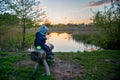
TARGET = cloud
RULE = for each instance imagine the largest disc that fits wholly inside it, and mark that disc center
(98, 3)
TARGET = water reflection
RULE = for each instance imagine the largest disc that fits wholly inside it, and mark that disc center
(63, 42)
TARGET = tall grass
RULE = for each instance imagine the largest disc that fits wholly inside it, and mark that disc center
(89, 39)
(12, 39)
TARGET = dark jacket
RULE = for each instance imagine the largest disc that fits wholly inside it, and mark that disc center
(40, 40)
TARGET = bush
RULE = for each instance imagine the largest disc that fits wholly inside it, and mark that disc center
(108, 23)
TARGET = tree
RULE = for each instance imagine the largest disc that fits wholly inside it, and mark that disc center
(7, 19)
(3, 7)
(109, 23)
(25, 9)
(115, 2)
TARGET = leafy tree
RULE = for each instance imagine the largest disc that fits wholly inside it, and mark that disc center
(109, 23)
(25, 9)
(3, 7)
(7, 20)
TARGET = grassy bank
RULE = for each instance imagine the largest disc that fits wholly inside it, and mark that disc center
(98, 40)
(87, 38)
(97, 65)
(90, 39)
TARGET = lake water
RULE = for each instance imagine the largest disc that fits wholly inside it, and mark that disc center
(63, 42)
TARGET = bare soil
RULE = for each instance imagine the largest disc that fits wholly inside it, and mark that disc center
(25, 63)
(65, 70)
(62, 70)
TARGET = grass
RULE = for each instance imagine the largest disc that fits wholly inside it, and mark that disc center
(98, 65)
(88, 38)
(18, 66)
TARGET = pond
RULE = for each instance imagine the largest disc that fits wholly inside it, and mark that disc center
(63, 42)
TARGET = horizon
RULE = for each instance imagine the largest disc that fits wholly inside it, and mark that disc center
(72, 11)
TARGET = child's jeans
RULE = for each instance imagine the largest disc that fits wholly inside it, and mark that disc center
(47, 50)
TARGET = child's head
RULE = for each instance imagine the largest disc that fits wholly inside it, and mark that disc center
(43, 29)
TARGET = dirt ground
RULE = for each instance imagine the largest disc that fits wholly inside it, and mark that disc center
(62, 70)
(65, 70)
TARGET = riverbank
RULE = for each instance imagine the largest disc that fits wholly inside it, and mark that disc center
(96, 65)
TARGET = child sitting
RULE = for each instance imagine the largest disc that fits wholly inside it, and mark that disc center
(40, 41)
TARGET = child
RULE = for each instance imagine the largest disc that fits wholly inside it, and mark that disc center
(40, 41)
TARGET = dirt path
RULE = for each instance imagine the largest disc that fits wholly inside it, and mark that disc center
(64, 70)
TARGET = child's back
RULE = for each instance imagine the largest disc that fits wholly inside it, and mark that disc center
(40, 41)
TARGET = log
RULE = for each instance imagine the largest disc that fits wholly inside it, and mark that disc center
(47, 69)
(40, 56)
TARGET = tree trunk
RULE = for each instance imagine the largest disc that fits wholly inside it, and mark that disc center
(23, 34)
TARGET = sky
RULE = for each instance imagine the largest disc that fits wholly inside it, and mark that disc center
(72, 11)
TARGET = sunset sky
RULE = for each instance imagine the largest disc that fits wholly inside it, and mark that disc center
(72, 11)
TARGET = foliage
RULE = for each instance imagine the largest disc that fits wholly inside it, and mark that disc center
(87, 38)
(10, 40)
(109, 24)
(3, 7)
(26, 10)
(7, 20)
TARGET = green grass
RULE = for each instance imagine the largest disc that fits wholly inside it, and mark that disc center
(98, 65)
(18, 66)
(88, 38)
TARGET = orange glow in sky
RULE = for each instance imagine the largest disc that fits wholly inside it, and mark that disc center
(72, 11)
